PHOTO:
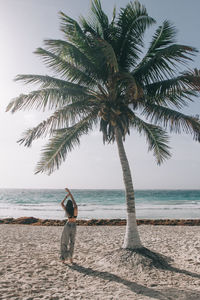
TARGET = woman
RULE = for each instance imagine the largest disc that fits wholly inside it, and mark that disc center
(69, 231)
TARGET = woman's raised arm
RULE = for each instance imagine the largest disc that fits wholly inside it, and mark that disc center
(62, 202)
(73, 201)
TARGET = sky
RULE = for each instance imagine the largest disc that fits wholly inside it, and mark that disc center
(24, 25)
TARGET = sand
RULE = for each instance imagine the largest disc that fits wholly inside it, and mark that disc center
(30, 266)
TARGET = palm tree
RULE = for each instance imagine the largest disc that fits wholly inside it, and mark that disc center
(105, 77)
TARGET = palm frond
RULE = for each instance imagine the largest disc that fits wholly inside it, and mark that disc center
(97, 23)
(176, 91)
(62, 142)
(132, 22)
(65, 68)
(164, 36)
(109, 55)
(192, 78)
(69, 26)
(76, 35)
(100, 16)
(89, 27)
(68, 51)
(176, 121)
(164, 87)
(46, 81)
(113, 16)
(163, 56)
(163, 64)
(39, 99)
(156, 137)
(61, 118)
(177, 99)
(49, 98)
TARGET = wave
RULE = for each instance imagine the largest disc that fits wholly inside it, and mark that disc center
(100, 203)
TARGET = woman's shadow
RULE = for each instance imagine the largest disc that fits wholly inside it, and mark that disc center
(134, 287)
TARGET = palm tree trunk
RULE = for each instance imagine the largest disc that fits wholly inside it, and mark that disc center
(132, 239)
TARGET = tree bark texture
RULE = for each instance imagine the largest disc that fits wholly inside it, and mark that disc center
(132, 239)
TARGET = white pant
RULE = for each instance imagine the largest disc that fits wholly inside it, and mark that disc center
(68, 240)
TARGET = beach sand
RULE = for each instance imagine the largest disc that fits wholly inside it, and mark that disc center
(30, 266)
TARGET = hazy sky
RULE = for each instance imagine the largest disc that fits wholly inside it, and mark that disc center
(24, 24)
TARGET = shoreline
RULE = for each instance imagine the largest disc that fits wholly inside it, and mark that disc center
(100, 222)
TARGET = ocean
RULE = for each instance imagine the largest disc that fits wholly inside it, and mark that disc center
(104, 204)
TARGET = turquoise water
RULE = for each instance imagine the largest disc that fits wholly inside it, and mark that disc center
(151, 204)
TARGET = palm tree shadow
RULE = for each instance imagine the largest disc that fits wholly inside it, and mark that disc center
(182, 271)
(134, 287)
(159, 261)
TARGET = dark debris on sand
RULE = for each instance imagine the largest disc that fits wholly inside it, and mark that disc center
(100, 222)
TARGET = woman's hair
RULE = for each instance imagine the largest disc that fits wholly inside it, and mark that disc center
(70, 208)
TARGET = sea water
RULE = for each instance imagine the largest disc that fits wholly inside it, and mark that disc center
(95, 204)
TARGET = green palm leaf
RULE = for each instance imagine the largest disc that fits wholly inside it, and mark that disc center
(98, 23)
(157, 139)
(163, 56)
(132, 23)
(83, 61)
(109, 55)
(62, 142)
(176, 121)
(173, 85)
(49, 98)
(46, 81)
(77, 36)
(61, 118)
(175, 91)
(192, 78)
(39, 99)
(65, 68)
(100, 17)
